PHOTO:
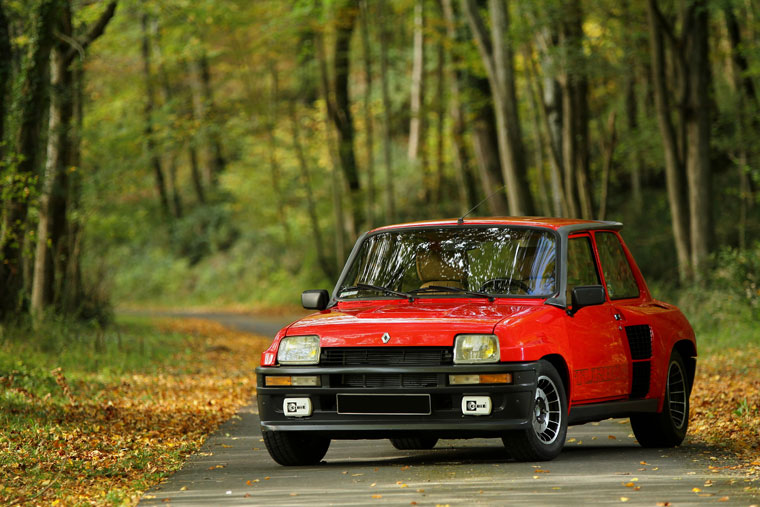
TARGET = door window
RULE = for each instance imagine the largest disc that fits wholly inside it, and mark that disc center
(618, 275)
(581, 268)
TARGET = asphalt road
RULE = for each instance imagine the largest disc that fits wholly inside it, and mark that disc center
(601, 464)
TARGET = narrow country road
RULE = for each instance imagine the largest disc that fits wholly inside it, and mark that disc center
(601, 464)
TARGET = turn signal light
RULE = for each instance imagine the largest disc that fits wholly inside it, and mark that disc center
(282, 380)
(484, 378)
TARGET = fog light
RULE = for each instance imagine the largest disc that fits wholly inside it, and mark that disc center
(297, 407)
(484, 378)
(476, 405)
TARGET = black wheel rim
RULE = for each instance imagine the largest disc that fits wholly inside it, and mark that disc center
(677, 395)
(547, 411)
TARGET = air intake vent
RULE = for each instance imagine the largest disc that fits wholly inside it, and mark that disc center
(412, 380)
(387, 356)
(640, 341)
(640, 381)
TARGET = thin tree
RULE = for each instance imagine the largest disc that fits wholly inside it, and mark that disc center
(390, 204)
(367, 109)
(149, 130)
(497, 56)
(53, 224)
(31, 110)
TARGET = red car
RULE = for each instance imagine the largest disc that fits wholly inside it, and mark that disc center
(512, 328)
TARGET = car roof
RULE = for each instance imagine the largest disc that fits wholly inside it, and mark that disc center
(558, 224)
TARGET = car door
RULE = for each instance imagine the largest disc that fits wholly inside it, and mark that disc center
(600, 363)
(625, 296)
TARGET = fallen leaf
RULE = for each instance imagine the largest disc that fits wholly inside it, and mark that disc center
(696, 490)
(377, 496)
(624, 498)
(612, 437)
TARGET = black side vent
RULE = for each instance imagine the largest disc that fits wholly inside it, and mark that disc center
(640, 381)
(640, 341)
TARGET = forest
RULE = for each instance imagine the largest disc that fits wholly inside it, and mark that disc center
(229, 152)
(224, 155)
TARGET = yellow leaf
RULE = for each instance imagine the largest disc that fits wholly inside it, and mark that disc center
(696, 490)
(624, 499)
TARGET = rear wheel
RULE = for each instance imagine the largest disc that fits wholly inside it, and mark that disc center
(294, 448)
(545, 437)
(667, 428)
(414, 443)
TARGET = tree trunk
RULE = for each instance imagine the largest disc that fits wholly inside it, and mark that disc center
(52, 204)
(439, 164)
(496, 53)
(390, 204)
(341, 111)
(368, 119)
(6, 73)
(674, 168)
(217, 162)
(327, 267)
(150, 101)
(416, 99)
(337, 182)
(168, 91)
(468, 194)
(274, 164)
(698, 172)
(575, 142)
(32, 103)
(608, 148)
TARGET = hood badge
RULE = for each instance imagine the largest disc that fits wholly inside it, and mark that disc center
(386, 338)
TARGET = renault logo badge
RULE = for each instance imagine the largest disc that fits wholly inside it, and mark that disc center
(386, 338)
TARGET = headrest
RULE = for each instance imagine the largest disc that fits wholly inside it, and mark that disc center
(437, 265)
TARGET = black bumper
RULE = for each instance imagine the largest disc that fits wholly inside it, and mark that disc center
(511, 403)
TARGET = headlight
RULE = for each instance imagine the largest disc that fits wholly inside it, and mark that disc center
(476, 348)
(298, 350)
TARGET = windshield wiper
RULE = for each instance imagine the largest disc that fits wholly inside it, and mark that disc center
(441, 288)
(385, 290)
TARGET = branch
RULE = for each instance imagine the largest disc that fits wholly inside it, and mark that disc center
(96, 30)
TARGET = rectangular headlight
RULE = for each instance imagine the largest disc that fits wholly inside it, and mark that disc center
(476, 348)
(298, 350)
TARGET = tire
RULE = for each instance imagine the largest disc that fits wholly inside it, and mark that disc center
(414, 443)
(667, 428)
(295, 448)
(545, 438)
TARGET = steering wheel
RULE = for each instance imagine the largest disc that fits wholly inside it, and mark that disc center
(504, 286)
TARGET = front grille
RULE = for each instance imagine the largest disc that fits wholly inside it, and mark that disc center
(387, 356)
(413, 380)
(639, 341)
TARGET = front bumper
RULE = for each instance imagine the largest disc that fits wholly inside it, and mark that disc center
(511, 403)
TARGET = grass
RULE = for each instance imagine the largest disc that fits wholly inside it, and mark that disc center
(92, 417)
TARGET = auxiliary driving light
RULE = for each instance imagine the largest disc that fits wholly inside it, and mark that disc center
(297, 407)
(476, 405)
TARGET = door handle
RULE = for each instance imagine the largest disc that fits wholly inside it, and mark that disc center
(618, 316)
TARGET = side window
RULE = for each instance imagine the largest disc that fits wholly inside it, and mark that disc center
(617, 272)
(581, 269)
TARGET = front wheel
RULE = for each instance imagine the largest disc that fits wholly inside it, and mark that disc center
(545, 437)
(667, 428)
(294, 448)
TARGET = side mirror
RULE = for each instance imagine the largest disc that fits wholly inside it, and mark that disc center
(315, 299)
(586, 295)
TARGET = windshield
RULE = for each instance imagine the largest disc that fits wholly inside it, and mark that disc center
(499, 261)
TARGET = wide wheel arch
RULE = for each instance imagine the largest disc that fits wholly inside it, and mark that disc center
(560, 365)
(689, 355)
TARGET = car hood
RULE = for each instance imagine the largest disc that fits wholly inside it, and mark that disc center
(421, 323)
